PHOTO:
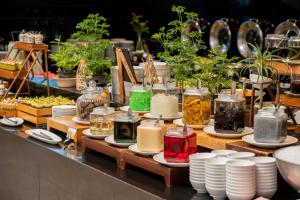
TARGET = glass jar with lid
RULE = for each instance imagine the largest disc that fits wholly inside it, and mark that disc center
(229, 113)
(102, 121)
(140, 98)
(270, 126)
(196, 106)
(125, 127)
(294, 45)
(276, 41)
(91, 97)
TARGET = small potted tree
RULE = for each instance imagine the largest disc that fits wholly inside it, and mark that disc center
(66, 59)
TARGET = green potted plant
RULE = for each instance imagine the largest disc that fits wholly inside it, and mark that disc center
(90, 34)
(178, 53)
(66, 59)
(139, 28)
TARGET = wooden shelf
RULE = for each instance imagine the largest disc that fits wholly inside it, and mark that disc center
(28, 46)
(9, 74)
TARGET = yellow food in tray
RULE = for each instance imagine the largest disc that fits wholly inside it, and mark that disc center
(195, 110)
(8, 104)
(46, 102)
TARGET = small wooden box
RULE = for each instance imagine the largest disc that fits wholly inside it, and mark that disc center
(37, 116)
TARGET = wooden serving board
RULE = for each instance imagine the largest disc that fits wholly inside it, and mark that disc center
(171, 175)
(34, 111)
(125, 158)
(64, 123)
(37, 120)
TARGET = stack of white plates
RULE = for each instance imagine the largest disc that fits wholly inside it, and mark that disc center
(215, 177)
(197, 170)
(63, 110)
(223, 152)
(266, 176)
(240, 179)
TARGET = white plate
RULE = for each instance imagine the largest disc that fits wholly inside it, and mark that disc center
(125, 109)
(160, 159)
(110, 140)
(288, 141)
(134, 149)
(55, 138)
(87, 133)
(211, 131)
(149, 116)
(79, 121)
(6, 122)
(178, 122)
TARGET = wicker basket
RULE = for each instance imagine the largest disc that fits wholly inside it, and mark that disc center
(80, 75)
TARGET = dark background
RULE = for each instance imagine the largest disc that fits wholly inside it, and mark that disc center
(59, 17)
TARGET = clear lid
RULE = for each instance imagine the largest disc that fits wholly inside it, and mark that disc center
(103, 110)
(127, 117)
(276, 37)
(294, 39)
(179, 132)
(140, 88)
(201, 91)
(230, 98)
(152, 123)
(271, 111)
(91, 88)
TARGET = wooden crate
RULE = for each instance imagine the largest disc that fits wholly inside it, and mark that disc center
(64, 123)
(8, 113)
(125, 158)
(37, 116)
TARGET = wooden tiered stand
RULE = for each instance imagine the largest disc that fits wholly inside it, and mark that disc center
(32, 53)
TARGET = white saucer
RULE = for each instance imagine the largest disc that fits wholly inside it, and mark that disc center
(125, 109)
(79, 121)
(110, 140)
(134, 149)
(288, 141)
(19, 121)
(87, 133)
(211, 131)
(36, 132)
(178, 122)
(149, 116)
(160, 159)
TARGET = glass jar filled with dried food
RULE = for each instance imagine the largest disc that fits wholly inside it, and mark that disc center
(102, 120)
(196, 106)
(270, 126)
(229, 113)
(91, 98)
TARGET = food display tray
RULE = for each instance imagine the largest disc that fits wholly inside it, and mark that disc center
(37, 116)
(125, 158)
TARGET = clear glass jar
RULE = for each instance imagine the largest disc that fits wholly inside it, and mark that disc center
(102, 121)
(229, 113)
(196, 106)
(91, 98)
(295, 83)
(276, 41)
(270, 126)
(125, 127)
(140, 98)
(294, 45)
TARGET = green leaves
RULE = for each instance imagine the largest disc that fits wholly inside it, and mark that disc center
(179, 53)
(67, 57)
(139, 26)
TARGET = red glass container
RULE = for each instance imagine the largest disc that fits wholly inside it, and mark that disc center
(179, 143)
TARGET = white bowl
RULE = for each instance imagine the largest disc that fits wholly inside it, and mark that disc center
(223, 152)
(201, 157)
(217, 161)
(233, 196)
(288, 163)
(264, 160)
(240, 163)
(241, 155)
(266, 193)
(199, 186)
(219, 193)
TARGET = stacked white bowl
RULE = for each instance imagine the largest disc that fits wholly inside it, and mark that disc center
(241, 155)
(215, 177)
(240, 179)
(266, 176)
(197, 170)
(223, 152)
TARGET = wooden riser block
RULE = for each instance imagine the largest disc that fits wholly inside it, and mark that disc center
(8, 113)
(34, 111)
(102, 147)
(64, 123)
(172, 175)
(33, 119)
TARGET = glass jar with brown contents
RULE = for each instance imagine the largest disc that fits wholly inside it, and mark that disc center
(196, 106)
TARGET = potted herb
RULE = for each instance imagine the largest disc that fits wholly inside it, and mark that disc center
(259, 65)
(178, 53)
(66, 59)
(90, 33)
(139, 28)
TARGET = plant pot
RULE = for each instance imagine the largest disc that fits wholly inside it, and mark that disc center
(66, 82)
(66, 75)
(257, 79)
